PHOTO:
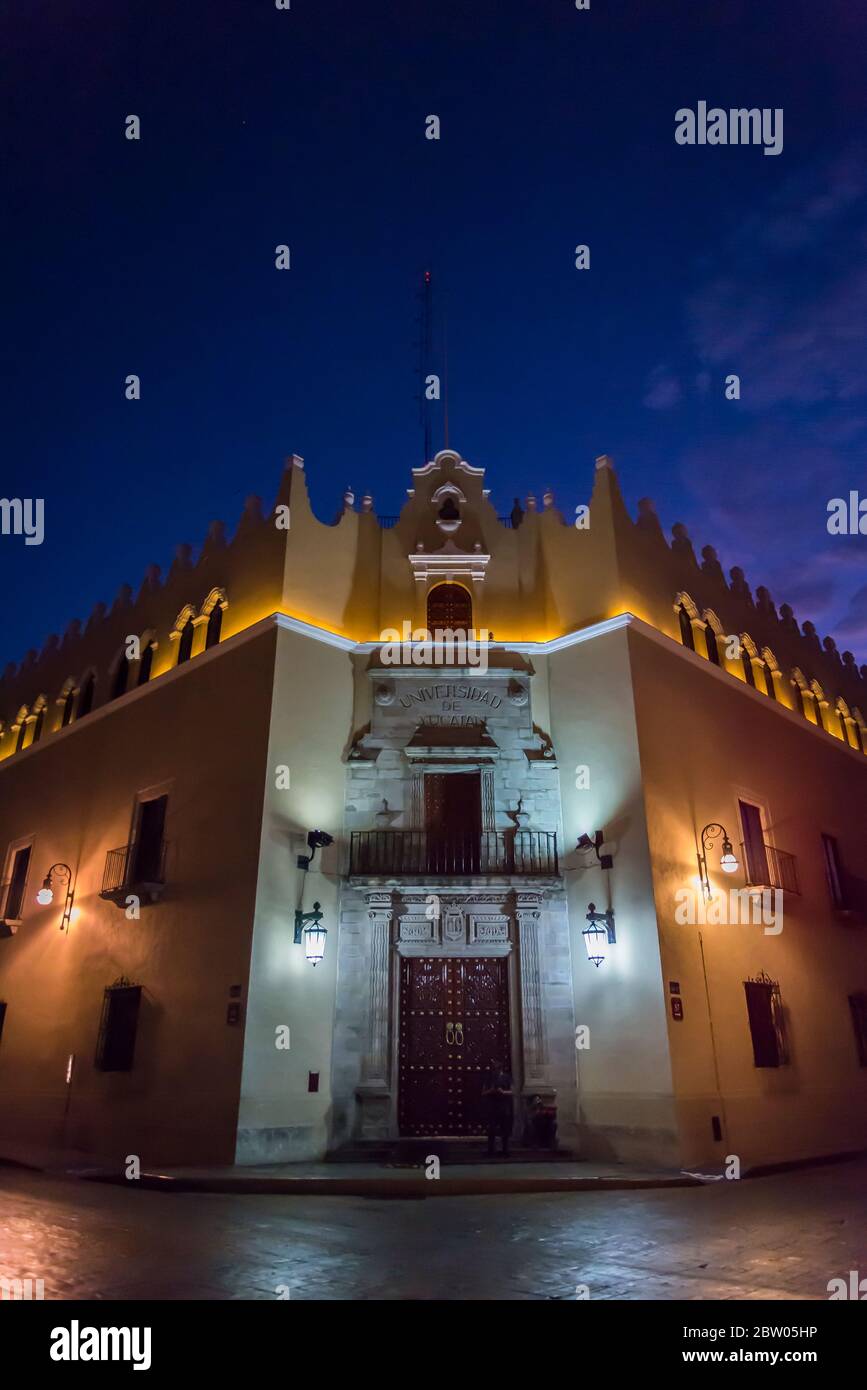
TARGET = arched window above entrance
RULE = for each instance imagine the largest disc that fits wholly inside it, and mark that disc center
(449, 606)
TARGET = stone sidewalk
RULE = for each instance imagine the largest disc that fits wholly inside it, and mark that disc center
(382, 1180)
(358, 1179)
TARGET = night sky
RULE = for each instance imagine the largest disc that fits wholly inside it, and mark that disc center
(307, 127)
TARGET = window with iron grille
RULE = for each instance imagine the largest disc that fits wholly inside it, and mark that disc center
(767, 1026)
(115, 1045)
(858, 1009)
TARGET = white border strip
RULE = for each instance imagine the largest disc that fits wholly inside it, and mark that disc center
(346, 644)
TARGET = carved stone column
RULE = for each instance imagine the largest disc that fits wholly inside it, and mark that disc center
(375, 1062)
(489, 818)
(528, 913)
(416, 815)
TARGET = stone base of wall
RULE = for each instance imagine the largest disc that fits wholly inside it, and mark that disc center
(288, 1144)
(613, 1144)
(629, 1129)
(373, 1112)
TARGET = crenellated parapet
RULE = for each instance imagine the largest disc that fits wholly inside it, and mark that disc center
(666, 583)
(532, 575)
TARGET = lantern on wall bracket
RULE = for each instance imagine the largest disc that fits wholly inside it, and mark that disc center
(728, 859)
(45, 895)
(599, 935)
(310, 933)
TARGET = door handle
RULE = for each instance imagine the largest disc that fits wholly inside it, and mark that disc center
(459, 1034)
(450, 1035)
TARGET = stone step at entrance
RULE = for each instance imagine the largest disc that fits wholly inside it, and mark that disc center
(414, 1152)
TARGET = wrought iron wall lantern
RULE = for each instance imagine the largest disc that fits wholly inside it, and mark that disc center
(728, 859)
(310, 933)
(45, 895)
(309, 930)
(599, 935)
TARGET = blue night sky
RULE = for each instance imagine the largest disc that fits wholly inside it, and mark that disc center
(306, 127)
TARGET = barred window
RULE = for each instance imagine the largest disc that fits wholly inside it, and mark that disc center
(115, 1045)
(767, 1029)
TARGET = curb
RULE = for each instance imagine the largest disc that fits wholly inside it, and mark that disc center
(407, 1188)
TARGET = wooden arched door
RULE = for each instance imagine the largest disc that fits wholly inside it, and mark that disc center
(449, 606)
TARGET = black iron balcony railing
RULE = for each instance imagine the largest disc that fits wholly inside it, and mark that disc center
(132, 868)
(766, 867)
(405, 853)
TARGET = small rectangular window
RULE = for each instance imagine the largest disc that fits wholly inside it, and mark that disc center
(833, 871)
(14, 904)
(858, 1009)
(3, 1018)
(115, 1046)
(765, 1011)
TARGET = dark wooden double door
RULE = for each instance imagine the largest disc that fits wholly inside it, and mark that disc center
(454, 1018)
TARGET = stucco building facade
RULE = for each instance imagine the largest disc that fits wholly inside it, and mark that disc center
(175, 752)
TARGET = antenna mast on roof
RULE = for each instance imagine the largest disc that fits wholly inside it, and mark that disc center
(446, 378)
(426, 361)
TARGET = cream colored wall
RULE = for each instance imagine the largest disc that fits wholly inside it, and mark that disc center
(201, 735)
(626, 1108)
(705, 739)
(310, 721)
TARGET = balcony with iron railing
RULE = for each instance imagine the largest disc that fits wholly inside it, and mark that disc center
(767, 867)
(131, 870)
(429, 854)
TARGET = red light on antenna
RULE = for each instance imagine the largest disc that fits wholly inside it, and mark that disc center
(427, 277)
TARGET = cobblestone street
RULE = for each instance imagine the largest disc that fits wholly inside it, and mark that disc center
(770, 1238)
